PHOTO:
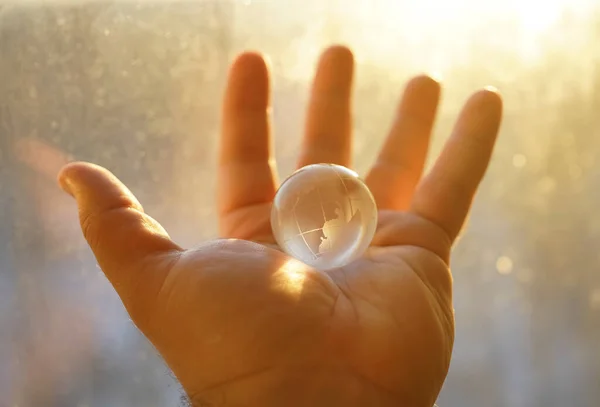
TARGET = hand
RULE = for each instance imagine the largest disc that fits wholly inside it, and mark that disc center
(242, 324)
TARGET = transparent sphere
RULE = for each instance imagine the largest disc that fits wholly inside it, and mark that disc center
(324, 215)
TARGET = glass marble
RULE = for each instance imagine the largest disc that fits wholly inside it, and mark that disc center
(324, 215)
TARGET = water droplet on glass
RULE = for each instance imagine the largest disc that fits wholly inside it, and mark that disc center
(504, 265)
(595, 299)
(519, 160)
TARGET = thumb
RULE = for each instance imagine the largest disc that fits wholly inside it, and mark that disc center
(132, 249)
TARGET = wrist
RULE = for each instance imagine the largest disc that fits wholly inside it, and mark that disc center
(300, 389)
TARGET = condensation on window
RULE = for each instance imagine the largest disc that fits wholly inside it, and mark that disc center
(136, 87)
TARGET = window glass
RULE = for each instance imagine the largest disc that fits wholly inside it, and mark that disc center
(136, 87)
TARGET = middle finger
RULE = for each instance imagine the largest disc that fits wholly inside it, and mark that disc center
(327, 137)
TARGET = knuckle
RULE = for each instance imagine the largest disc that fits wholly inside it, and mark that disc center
(90, 230)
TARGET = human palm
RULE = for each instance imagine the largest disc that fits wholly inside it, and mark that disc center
(239, 322)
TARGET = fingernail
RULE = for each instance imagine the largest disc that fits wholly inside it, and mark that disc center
(65, 184)
(491, 88)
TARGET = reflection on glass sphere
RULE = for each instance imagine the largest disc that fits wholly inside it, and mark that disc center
(324, 215)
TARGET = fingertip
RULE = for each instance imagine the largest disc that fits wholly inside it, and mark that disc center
(251, 63)
(77, 169)
(91, 184)
(426, 79)
(63, 182)
(335, 71)
(420, 101)
(483, 108)
(424, 84)
(67, 175)
(248, 83)
(490, 97)
(339, 53)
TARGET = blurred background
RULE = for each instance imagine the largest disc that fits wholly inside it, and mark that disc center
(136, 87)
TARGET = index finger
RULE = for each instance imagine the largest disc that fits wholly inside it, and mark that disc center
(246, 167)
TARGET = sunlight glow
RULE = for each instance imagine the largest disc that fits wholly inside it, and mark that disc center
(432, 35)
(290, 278)
(455, 24)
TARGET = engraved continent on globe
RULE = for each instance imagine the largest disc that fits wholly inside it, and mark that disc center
(324, 215)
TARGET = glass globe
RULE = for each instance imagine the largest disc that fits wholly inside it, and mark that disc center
(324, 215)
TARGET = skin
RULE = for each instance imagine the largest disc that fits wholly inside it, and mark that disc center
(242, 324)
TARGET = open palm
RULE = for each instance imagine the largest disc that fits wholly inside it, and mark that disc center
(242, 324)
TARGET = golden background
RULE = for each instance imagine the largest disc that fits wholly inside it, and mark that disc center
(136, 87)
